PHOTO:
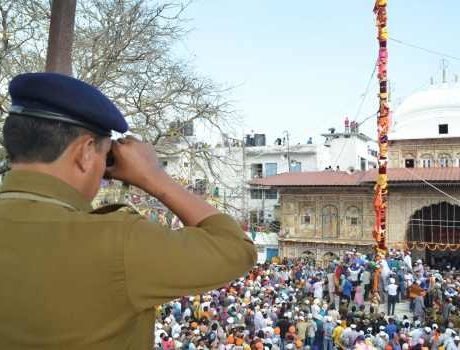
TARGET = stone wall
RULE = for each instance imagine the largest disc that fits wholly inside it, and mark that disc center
(332, 220)
(328, 213)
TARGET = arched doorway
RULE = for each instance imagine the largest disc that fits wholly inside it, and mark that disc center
(309, 257)
(437, 224)
(328, 258)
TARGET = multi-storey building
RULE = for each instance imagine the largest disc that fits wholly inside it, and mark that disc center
(324, 214)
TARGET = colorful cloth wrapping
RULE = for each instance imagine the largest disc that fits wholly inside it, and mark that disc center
(383, 122)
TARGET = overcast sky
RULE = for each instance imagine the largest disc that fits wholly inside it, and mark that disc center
(303, 65)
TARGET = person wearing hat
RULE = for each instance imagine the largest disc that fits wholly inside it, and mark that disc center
(311, 328)
(301, 327)
(328, 329)
(408, 260)
(451, 342)
(381, 340)
(337, 334)
(426, 335)
(369, 334)
(416, 333)
(392, 290)
(353, 334)
(74, 277)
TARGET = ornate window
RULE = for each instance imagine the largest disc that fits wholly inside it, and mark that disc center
(445, 160)
(306, 219)
(353, 216)
(427, 161)
(330, 221)
(409, 160)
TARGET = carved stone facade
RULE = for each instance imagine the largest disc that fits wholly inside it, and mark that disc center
(323, 222)
(335, 213)
(320, 221)
(427, 153)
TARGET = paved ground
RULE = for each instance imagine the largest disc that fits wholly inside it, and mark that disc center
(401, 309)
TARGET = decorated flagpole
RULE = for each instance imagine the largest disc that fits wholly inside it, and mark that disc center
(383, 122)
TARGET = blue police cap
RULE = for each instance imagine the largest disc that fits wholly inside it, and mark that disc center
(59, 97)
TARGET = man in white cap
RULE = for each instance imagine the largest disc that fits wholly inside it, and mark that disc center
(418, 269)
(416, 333)
(426, 336)
(316, 309)
(301, 328)
(450, 342)
(347, 337)
(328, 329)
(408, 260)
(381, 340)
(353, 334)
(365, 280)
(369, 335)
(311, 330)
(392, 290)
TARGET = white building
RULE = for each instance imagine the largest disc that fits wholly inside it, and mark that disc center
(429, 113)
(224, 171)
(266, 245)
(426, 129)
(349, 150)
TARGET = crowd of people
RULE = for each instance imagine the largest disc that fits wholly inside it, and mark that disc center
(349, 304)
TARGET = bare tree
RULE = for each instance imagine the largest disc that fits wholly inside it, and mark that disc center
(126, 48)
(23, 25)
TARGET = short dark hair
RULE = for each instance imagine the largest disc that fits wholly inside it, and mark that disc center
(29, 140)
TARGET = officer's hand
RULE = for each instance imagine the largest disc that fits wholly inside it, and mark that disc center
(134, 162)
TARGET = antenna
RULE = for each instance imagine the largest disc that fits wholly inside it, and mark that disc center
(444, 65)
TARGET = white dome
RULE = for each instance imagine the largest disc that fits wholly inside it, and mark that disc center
(420, 115)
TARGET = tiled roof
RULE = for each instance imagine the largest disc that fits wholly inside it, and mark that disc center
(342, 178)
(416, 175)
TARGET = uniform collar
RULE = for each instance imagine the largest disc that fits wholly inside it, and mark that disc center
(44, 185)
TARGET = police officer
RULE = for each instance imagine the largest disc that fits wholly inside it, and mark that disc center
(74, 278)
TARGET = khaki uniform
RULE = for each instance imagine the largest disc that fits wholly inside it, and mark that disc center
(74, 279)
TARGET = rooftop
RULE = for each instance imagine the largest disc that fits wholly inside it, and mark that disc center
(362, 178)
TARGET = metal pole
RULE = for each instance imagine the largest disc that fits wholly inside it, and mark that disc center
(60, 39)
(288, 151)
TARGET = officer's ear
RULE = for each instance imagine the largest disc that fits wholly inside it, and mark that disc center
(84, 152)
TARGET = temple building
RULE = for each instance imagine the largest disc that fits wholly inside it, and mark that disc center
(323, 214)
